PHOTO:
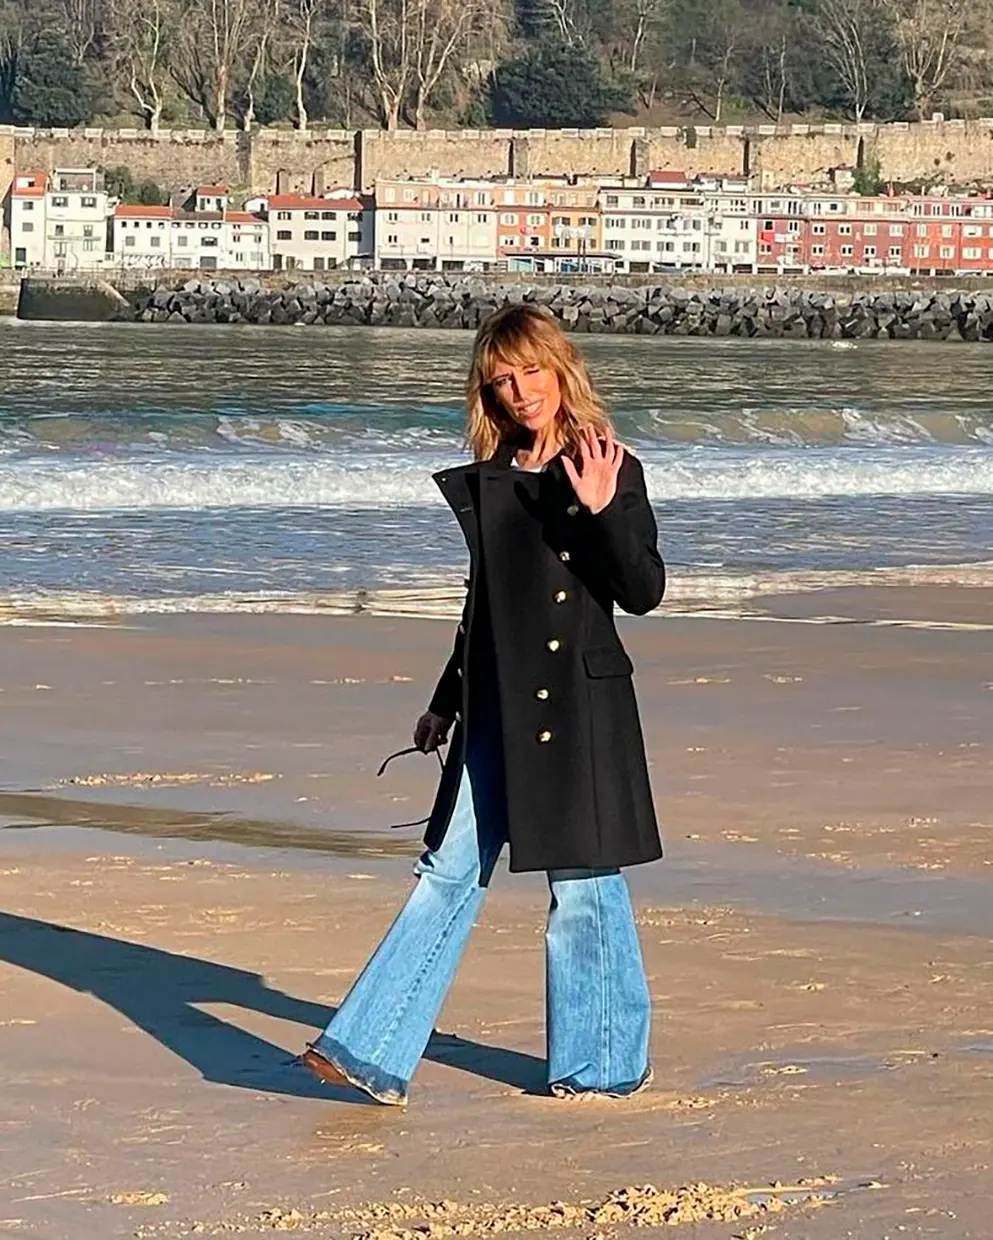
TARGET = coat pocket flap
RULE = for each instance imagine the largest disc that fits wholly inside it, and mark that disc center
(607, 661)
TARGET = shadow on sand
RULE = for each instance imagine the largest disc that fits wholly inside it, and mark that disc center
(159, 991)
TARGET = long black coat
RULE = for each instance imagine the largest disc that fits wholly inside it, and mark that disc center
(576, 778)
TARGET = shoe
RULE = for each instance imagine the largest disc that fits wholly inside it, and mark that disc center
(328, 1071)
(559, 1089)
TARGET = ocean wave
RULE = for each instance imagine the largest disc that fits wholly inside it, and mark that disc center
(687, 592)
(370, 481)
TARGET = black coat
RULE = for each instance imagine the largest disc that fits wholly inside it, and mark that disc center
(576, 778)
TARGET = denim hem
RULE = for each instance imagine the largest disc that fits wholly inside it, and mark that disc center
(568, 1089)
(383, 1086)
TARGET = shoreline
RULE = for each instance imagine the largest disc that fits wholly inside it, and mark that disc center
(816, 938)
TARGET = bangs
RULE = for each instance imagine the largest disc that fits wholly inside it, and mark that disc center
(519, 343)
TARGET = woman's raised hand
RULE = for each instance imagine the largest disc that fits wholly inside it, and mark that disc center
(431, 731)
(595, 482)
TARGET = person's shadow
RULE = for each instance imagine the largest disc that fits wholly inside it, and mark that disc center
(159, 991)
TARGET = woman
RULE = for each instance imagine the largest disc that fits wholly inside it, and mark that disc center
(547, 752)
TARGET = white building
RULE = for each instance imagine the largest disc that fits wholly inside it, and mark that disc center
(311, 233)
(245, 241)
(435, 223)
(27, 218)
(76, 214)
(142, 237)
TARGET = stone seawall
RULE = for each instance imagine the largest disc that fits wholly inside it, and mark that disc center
(951, 151)
(414, 300)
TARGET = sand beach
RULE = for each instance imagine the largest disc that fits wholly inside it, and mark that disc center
(196, 857)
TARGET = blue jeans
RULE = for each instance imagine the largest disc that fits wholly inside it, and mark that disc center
(598, 1005)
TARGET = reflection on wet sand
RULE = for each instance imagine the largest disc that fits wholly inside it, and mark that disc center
(22, 810)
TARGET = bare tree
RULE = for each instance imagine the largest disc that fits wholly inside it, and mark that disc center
(845, 27)
(441, 27)
(213, 38)
(930, 34)
(388, 28)
(81, 21)
(562, 17)
(265, 22)
(139, 31)
(302, 18)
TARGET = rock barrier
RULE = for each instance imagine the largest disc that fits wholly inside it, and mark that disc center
(445, 301)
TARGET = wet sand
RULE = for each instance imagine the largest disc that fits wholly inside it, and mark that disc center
(818, 941)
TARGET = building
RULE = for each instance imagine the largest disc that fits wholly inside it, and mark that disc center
(320, 233)
(27, 218)
(215, 198)
(141, 237)
(245, 241)
(76, 221)
(436, 224)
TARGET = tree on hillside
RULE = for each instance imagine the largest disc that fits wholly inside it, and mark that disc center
(555, 86)
(49, 89)
(709, 40)
(930, 35)
(214, 37)
(139, 33)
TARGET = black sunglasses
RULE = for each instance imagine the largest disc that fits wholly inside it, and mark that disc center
(402, 753)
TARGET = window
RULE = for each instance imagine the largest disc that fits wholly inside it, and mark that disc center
(817, 250)
(947, 251)
(508, 218)
(392, 239)
(282, 234)
(691, 247)
(311, 234)
(896, 230)
(283, 215)
(311, 215)
(27, 226)
(636, 223)
(454, 217)
(239, 258)
(155, 242)
(946, 230)
(794, 226)
(535, 221)
(327, 235)
(318, 264)
(972, 252)
(60, 201)
(408, 195)
(922, 251)
(87, 230)
(844, 230)
(972, 230)
(481, 219)
(870, 251)
(354, 236)
(615, 243)
(182, 241)
(209, 243)
(60, 230)
(27, 206)
(721, 247)
(870, 230)
(614, 222)
(503, 240)
(611, 200)
(425, 217)
(328, 215)
(768, 225)
(819, 230)
(88, 203)
(765, 248)
(129, 241)
(392, 217)
(425, 241)
(922, 232)
(641, 245)
(896, 252)
(846, 251)
(89, 246)
(665, 247)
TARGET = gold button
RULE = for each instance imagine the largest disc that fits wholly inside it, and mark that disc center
(553, 644)
(561, 596)
(565, 557)
(572, 510)
(544, 737)
(541, 695)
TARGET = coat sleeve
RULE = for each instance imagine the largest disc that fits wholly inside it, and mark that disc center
(447, 698)
(626, 539)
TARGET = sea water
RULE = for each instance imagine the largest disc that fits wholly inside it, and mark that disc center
(232, 468)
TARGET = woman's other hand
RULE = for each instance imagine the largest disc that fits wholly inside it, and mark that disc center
(595, 482)
(430, 732)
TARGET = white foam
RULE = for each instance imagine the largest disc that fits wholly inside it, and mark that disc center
(374, 481)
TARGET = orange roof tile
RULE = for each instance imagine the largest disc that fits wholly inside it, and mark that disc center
(212, 191)
(307, 202)
(37, 188)
(242, 217)
(136, 211)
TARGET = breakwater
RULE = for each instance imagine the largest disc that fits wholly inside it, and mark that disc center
(386, 299)
(418, 300)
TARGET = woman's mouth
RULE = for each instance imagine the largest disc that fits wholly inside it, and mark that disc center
(527, 412)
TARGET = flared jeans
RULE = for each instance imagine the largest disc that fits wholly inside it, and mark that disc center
(598, 1008)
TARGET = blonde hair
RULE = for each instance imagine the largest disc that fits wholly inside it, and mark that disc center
(526, 335)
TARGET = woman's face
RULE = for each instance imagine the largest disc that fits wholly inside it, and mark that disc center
(530, 394)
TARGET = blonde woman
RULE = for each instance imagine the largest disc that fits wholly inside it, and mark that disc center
(547, 752)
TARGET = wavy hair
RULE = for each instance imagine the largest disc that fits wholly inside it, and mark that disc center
(526, 335)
